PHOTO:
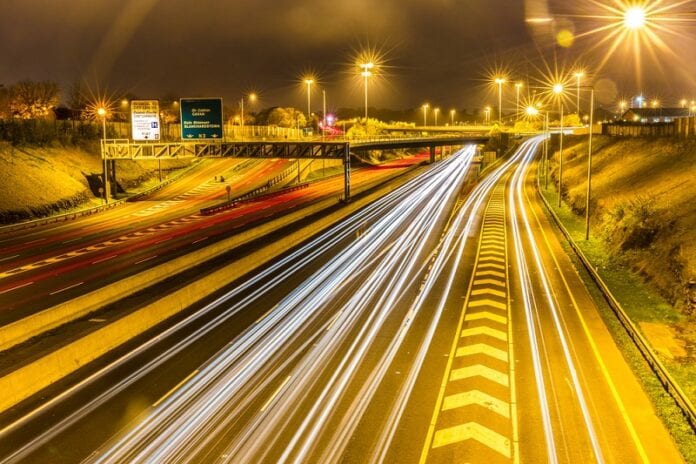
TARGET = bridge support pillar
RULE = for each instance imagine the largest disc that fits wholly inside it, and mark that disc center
(346, 174)
(432, 154)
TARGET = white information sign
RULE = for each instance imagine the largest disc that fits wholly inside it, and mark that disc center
(145, 122)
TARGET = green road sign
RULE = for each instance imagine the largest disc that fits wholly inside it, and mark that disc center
(201, 118)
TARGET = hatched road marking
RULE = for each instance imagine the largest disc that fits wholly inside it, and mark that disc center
(475, 416)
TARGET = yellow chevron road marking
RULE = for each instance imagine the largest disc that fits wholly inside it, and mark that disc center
(499, 334)
(459, 400)
(473, 431)
(482, 348)
(487, 302)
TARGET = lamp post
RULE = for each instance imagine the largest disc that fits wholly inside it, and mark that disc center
(532, 112)
(101, 111)
(518, 86)
(425, 114)
(452, 111)
(252, 97)
(558, 90)
(366, 73)
(589, 167)
(500, 81)
(578, 75)
(436, 111)
(323, 114)
(309, 83)
(487, 115)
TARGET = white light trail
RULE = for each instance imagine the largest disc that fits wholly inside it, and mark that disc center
(520, 216)
(184, 424)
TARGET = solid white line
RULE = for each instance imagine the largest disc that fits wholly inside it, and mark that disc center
(163, 240)
(176, 387)
(104, 259)
(275, 393)
(146, 259)
(15, 288)
(66, 288)
(265, 314)
(34, 241)
(199, 240)
(9, 257)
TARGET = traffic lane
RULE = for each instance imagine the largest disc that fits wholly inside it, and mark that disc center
(409, 437)
(330, 386)
(25, 293)
(626, 424)
(171, 202)
(51, 258)
(141, 214)
(118, 411)
(78, 439)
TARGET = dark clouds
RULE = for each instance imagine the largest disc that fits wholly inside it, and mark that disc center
(436, 50)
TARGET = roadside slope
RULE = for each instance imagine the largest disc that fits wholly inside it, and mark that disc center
(36, 182)
(643, 207)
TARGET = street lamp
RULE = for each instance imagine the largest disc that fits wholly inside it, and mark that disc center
(634, 18)
(252, 98)
(578, 75)
(558, 90)
(518, 86)
(366, 73)
(452, 111)
(425, 114)
(500, 81)
(309, 83)
(589, 167)
(101, 111)
(622, 106)
(436, 111)
(532, 112)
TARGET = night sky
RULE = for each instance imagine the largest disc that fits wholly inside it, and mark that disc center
(440, 51)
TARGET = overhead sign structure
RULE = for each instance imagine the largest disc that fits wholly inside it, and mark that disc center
(201, 118)
(145, 121)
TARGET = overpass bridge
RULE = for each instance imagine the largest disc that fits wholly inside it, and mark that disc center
(123, 149)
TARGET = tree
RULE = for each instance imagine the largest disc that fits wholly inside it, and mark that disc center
(370, 128)
(4, 102)
(33, 100)
(286, 117)
(77, 99)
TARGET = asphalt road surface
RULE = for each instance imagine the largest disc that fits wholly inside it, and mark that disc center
(435, 325)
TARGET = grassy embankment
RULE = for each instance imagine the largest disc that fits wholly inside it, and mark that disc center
(37, 182)
(643, 244)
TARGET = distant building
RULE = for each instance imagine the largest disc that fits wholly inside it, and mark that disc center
(653, 115)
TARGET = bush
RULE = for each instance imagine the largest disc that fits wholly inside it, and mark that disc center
(633, 225)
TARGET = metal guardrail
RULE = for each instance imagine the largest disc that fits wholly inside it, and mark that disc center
(670, 385)
(248, 197)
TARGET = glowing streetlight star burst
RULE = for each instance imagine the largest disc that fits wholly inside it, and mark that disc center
(634, 18)
(640, 27)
